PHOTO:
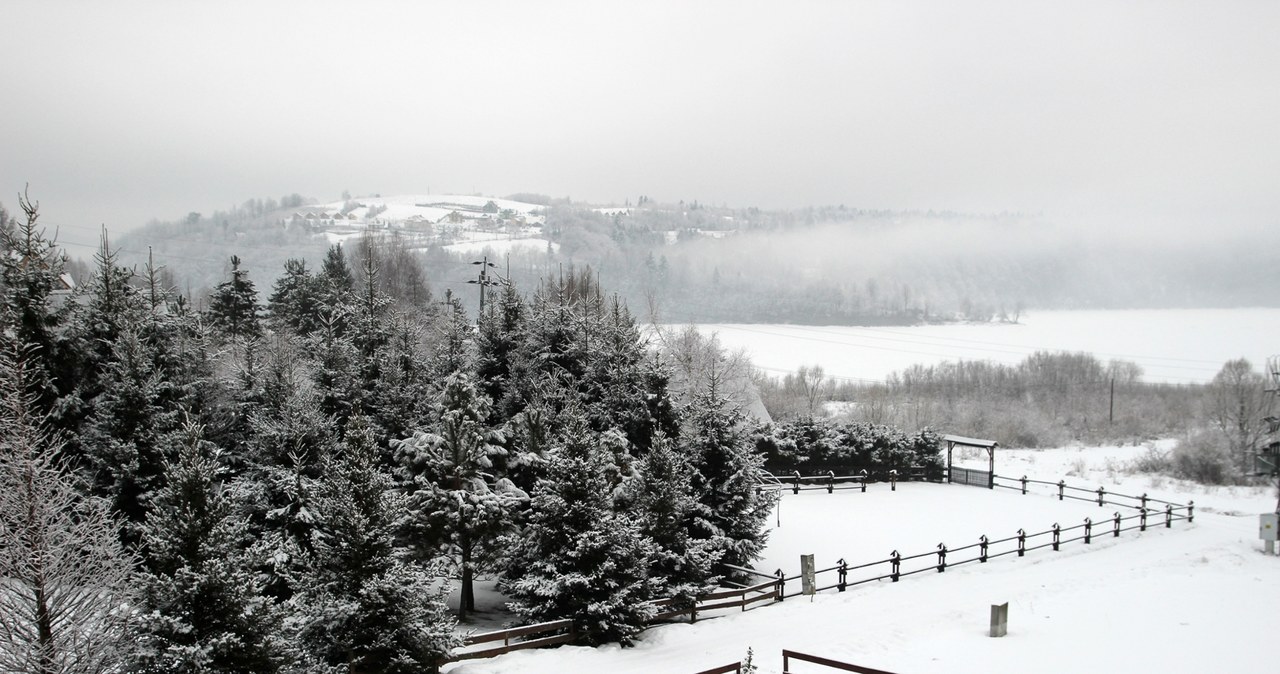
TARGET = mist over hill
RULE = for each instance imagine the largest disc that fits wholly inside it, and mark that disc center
(692, 262)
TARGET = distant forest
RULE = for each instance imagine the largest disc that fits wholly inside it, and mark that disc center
(690, 262)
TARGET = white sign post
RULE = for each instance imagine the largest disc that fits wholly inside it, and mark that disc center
(999, 619)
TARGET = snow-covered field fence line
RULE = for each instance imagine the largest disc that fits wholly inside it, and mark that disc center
(896, 565)
(560, 631)
(831, 482)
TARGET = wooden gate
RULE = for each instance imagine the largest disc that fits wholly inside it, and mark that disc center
(971, 477)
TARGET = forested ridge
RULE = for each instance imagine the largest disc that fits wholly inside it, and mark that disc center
(819, 265)
(279, 481)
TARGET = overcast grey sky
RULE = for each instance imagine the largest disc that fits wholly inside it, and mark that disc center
(116, 112)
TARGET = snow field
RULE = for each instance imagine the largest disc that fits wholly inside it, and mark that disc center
(1192, 598)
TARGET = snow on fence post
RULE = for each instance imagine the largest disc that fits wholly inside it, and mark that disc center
(864, 480)
(942, 557)
(1062, 484)
(795, 488)
(844, 575)
(1168, 515)
(1024, 485)
(1191, 511)
(1101, 494)
(893, 480)
(1144, 501)
(782, 585)
(1142, 515)
(1022, 542)
(982, 549)
(895, 562)
(831, 481)
(1057, 530)
(1116, 520)
(1088, 531)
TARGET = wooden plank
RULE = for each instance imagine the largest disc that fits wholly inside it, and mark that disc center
(725, 669)
(826, 662)
(515, 632)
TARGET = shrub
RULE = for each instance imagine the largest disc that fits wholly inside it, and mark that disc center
(1203, 458)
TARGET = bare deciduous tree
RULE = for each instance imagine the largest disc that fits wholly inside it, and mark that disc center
(66, 582)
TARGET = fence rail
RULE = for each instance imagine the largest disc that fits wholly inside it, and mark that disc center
(788, 656)
(506, 636)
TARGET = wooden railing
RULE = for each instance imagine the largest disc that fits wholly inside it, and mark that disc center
(565, 635)
(788, 656)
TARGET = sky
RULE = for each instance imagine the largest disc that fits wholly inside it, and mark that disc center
(1135, 112)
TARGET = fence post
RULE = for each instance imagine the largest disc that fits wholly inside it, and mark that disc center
(1022, 543)
(982, 549)
(1144, 500)
(1142, 516)
(795, 488)
(844, 574)
(831, 481)
(1057, 530)
(1101, 495)
(895, 562)
(1191, 511)
(1062, 484)
(893, 480)
(1024, 485)
(1168, 515)
(942, 557)
(1117, 523)
(1088, 531)
(864, 480)
(782, 585)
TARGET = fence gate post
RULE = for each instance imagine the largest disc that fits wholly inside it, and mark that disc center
(1088, 531)
(895, 562)
(1117, 523)
(1022, 542)
(1062, 484)
(982, 554)
(942, 557)
(1024, 485)
(1056, 531)
(844, 574)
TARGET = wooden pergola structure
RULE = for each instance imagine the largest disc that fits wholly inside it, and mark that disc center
(976, 478)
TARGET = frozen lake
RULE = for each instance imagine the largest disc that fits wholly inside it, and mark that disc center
(1171, 345)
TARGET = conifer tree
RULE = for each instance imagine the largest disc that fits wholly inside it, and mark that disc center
(578, 557)
(295, 299)
(233, 306)
(363, 607)
(67, 595)
(457, 504)
(205, 608)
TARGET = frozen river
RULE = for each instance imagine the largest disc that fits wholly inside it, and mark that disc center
(1171, 345)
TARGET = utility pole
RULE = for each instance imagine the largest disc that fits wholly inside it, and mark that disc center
(1272, 448)
(484, 281)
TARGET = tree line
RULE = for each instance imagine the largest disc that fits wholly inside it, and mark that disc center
(282, 485)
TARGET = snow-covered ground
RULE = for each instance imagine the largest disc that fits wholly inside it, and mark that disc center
(1171, 345)
(1192, 598)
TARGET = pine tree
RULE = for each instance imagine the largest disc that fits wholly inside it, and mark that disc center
(233, 306)
(363, 607)
(672, 517)
(457, 503)
(727, 471)
(67, 595)
(295, 299)
(205, 607)
(578, 558)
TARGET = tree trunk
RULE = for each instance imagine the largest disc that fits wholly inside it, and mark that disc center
(467, 595)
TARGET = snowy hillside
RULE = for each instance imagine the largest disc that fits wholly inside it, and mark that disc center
(1192, 598)
(460, 223)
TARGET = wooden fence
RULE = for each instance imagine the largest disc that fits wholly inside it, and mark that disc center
(842, 576)
(1148, 513)
(830, 482)
(788, 656)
